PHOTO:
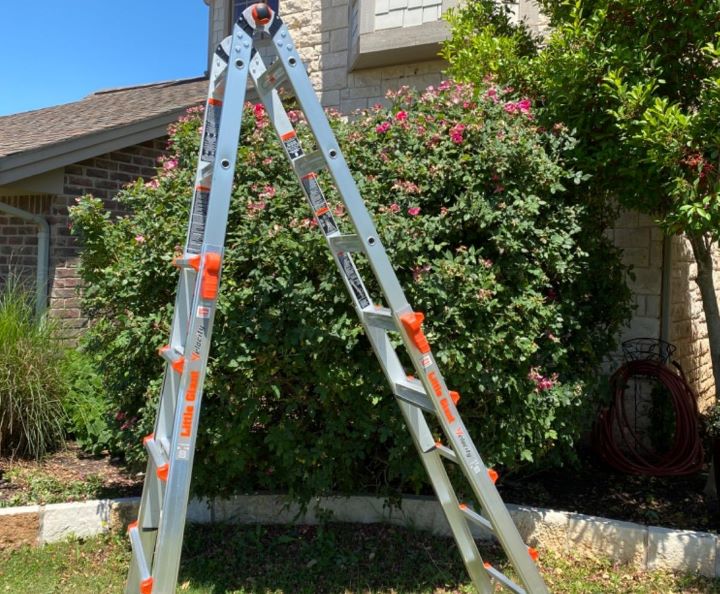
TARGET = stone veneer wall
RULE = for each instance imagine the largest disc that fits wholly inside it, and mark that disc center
(688, 330)
(102, 177)
(320, 29)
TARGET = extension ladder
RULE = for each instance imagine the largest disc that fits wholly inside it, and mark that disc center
(156, 537)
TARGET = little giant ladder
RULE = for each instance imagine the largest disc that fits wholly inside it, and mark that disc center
(156, 537)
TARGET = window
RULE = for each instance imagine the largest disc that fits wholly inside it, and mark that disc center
(384, 32)
(240, 5)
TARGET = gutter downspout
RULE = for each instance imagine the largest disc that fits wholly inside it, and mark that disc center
(43, 255)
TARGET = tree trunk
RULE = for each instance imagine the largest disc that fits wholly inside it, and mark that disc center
(702, 250)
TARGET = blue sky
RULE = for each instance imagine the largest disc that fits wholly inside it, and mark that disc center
(58, 51)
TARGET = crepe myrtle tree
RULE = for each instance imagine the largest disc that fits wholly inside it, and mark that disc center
(639, 83)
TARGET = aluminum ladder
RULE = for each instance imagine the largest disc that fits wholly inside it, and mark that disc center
(156, 537)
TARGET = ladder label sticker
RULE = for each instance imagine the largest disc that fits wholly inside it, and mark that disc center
(292, 145)
(182, 452)
(313, 192)
(327, 223)
(198, 219)
(203, 312)
(210, 130)
(351, 273)
(426, 361)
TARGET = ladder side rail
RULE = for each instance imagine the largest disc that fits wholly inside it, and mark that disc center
(428, 372)
(305, 95)
(316, 199)
(151, 501)
(172, 524)
(386, 355)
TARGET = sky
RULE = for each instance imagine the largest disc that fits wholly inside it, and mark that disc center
(58, 51)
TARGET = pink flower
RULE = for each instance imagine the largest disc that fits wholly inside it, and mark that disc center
(492, 94)
(339, 210)
(268, 192)
(382, 128)
(394, 208)
(267, 161)
(420, 130)
(140, 238)
(401, 116)
(170, 164)
(524, 105)
(414, 211)
(443, 211)
(487, 263)
(444, 85)
(407, 187)
(259, 110)
(542, 383)
(456, 133)
(256, 205)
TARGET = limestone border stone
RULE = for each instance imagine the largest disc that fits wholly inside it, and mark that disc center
(645, 547)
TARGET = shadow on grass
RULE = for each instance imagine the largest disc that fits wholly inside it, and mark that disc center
(319, 559)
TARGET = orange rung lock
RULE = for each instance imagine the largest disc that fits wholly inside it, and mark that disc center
(412, 322)
(455, 396)
(178, 365)
(148, 438)
(211, 276)
(132, 526)
(463, 506)
(487, 565)
(534, 555)
(162, 472)
(146, 586)
(494, 476)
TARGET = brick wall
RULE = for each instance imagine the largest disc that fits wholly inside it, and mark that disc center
(102, 177)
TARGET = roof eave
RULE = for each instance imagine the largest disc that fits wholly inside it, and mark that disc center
(19, 166)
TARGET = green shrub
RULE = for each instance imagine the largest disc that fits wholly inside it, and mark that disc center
(31, 383)
(85, 402)
(468, 198)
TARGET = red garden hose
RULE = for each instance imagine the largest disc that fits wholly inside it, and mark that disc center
(626, 452)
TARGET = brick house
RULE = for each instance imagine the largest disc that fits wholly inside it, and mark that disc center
(355, 51)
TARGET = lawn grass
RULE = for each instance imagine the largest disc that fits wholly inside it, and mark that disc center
(335, 558)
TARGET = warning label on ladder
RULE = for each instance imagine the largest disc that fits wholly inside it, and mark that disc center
(351, 274)
(292, 145)
(210, 132)
(198, 219)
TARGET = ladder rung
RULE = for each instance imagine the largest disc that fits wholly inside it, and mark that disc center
(174, 356)
(346, 243)
(188, 261)
(412, 392)
(162, 467)
(445, 452)
(309, 163)
(379, 317)
(476, 517)
(146, 581)
(273, 77)
(503, 579)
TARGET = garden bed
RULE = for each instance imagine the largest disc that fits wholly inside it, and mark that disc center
(679, 503)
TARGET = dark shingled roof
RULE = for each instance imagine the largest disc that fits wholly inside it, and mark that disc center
(101, 111)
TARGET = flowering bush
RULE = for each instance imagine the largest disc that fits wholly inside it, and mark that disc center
(521, 298)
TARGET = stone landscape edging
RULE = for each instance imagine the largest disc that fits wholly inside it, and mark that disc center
(644, 547)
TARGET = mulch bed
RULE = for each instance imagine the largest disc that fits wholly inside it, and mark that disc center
(592, 489)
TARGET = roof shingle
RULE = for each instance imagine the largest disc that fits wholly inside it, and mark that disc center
(98, 112)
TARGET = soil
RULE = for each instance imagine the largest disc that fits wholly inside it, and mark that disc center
(591, 489)
(67, 467)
